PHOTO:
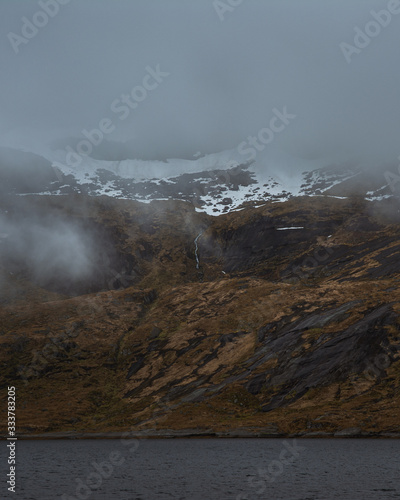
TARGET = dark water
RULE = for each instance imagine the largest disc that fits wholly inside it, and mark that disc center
(205, 469)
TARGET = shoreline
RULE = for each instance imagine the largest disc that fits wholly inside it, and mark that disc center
(206, 434)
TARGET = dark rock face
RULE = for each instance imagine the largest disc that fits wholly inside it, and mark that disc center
(332, 357)
(155, 332)
(263, 240)
(311, 321)
(135, 367)
(256, 384)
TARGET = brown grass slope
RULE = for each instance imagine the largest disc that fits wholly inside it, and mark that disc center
(278, 331)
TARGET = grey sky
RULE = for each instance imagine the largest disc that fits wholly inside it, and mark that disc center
(225, 77)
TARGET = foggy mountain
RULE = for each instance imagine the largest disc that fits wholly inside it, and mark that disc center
(171, 80)
(213, 183)
(199, 214)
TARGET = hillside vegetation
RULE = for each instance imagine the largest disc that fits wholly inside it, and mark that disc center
(276, 331)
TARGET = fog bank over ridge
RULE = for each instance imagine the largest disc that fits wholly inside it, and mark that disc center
(224, 79)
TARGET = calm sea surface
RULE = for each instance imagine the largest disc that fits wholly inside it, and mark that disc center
(205, 469)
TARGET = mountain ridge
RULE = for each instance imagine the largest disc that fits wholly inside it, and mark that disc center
(215, 183)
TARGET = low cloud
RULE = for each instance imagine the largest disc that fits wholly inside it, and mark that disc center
(51, 250)
(224, 78)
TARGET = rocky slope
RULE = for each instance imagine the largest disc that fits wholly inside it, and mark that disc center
(215, 183)
(284, 319)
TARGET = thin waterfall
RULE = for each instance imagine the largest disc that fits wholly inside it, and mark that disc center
(196, 251)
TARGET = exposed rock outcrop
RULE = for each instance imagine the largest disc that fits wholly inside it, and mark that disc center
(289, 326)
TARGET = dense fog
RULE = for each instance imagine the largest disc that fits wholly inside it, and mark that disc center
(221, 69)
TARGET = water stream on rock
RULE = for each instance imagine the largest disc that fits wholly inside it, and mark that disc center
(196, 250)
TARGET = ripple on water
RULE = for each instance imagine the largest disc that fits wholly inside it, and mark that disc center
(198, 469)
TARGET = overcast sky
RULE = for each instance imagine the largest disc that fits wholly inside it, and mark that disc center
(225, 77)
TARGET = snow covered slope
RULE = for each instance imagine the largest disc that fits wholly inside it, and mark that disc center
(214, 183)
